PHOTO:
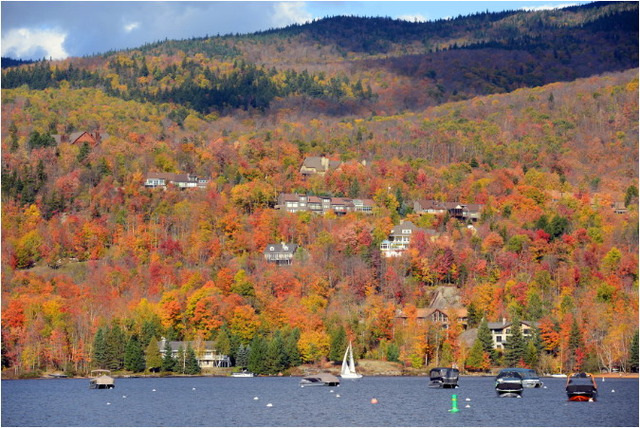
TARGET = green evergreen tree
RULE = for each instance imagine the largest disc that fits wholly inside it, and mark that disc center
(181, 361)
(257, 355)
(168, 362)
(515, 345)
(393, 352)
(152, 356)
(191, 364)
(474, 316)
(291, 348)
(338, 344)
(275, 358)
(531, 354)
(116, 343)
(475, 360)
(575, 343)
(633, 354)
(485, 337)
(99, 354)
(134, 356)
(242, 356)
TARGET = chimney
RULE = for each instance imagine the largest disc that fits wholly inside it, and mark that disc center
(504, 320)
(325, 163)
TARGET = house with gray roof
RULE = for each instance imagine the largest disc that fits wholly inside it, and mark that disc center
(206, 353)
(400, 238)
(501, 331)
(183, 181)
(313, 165)
(280, 254)
(459, 210)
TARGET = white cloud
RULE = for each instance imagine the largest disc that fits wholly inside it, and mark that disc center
(131, 26)
(547, 7)
(287, 13)
(413, 18)
(28, 43)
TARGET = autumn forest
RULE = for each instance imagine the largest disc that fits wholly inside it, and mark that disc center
(531, 116)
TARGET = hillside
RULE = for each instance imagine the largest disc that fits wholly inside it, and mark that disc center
(96, 261)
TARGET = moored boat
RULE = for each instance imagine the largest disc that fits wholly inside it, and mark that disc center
(243, 373)
(581, 387)
(320, 379)
(443, 377)
(348, 370)
(509, 383)
(101, 379)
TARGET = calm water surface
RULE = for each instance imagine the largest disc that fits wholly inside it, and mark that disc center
(402, 401)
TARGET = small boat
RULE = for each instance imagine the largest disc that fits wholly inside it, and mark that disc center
(581, 387)
(320, 379)
(530, 378)
(509, 383)
(243, 373)
(443, 377)
(57, 375)
(101, 379)
(348, 370)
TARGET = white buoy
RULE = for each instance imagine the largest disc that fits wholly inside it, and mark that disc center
(544, 387)
(193, 389)
(603, 379)
(337, 395)
(269, 405)
(255, 398)
(467, 406)
(613, 390)
(108, 404)
(153, 390)
(467, 399)
(331, 390)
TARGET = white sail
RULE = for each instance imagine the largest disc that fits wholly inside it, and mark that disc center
(348, 370)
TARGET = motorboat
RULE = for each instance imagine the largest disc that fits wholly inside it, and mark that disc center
(320, 379)
(348, 370)
(530, 378)
(443, 377)
(509, 383)
(581, 387)
(101, 379)
(243, 373)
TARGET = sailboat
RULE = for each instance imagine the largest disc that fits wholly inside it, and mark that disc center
(348, 370)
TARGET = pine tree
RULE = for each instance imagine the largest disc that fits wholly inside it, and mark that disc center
(485, 337)
(134, 356)
(191, 364)
(275, 360)
(242, 356)
(338, 344)
(257, 355)
(515, 345)
(575, 345)
(153, 357)
(291, 348)
(99, 357)
(116, 343)
(475, 360)
(168, 362)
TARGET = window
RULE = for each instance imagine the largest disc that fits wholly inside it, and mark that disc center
(406, 231)
(499, 339)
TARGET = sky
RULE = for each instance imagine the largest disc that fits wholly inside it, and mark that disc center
(61, 29)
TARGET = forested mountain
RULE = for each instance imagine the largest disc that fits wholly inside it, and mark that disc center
(531, 115)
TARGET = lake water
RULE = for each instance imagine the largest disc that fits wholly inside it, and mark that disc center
(402, 401)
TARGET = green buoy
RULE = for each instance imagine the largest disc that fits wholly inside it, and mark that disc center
(454, 404)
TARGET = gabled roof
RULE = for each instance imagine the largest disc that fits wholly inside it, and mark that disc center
(175, 345)
(280, 248)
(501, 325)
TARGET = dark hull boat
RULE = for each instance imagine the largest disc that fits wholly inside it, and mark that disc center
(509, 384)
(443, 377)
(581, 387)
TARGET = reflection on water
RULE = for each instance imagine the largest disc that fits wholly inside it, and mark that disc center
(402, 401)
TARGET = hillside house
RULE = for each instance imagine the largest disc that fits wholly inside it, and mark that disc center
(280, 254)
(205, 351)
(619, 207)
(444, 307)
(501, 330)
(183, 181)
(322, 204)
(92, 138)
(319, 165)
(460, 211)
(400, 238)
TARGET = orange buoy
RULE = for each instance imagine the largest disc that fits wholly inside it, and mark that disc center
(374, 401)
